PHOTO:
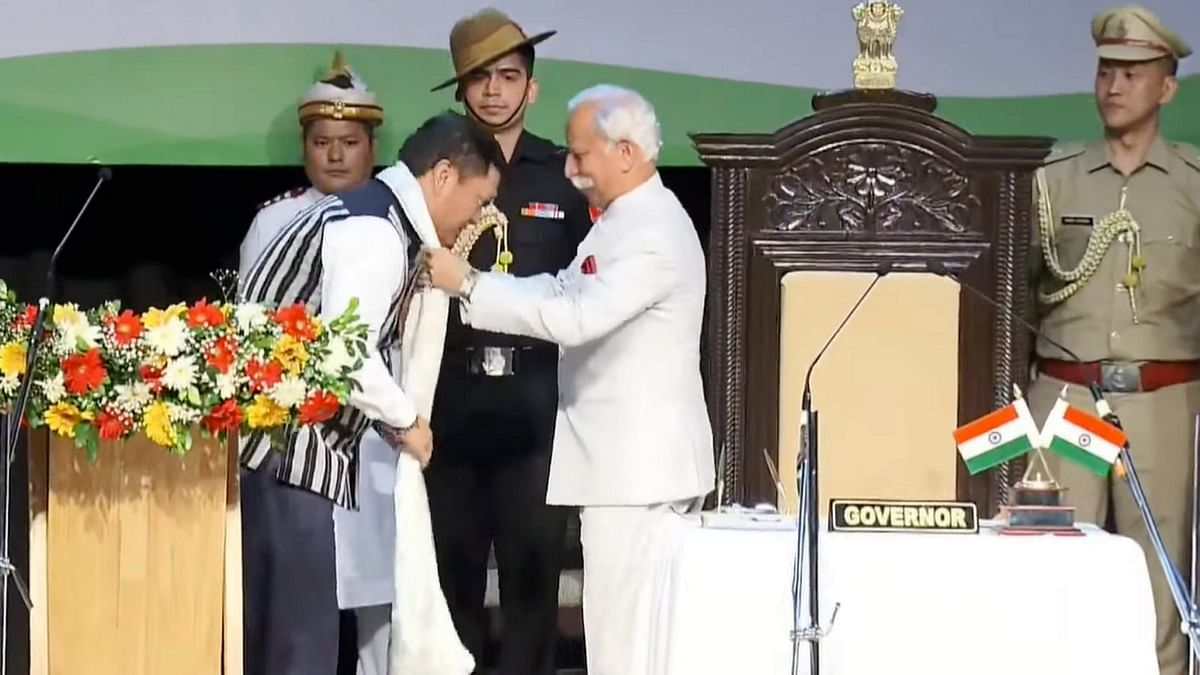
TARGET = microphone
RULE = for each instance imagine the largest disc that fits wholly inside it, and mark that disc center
(1102, 406)
(806, 498)
(39, 322)
(939, 268)
(806, 398)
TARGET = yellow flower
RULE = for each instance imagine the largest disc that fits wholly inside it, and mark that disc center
(291, 354)
(157, 422)
(67, 314)
(12, 359)
(62, 418)
(154, 317)
(264, 412)
(318, 327)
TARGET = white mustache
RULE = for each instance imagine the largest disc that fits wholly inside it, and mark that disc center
(582, 182)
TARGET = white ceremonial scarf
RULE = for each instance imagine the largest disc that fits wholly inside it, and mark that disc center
(423, 638)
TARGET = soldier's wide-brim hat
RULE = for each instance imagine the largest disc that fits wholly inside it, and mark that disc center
(1133, 33)
(479, 39)
(340, 95)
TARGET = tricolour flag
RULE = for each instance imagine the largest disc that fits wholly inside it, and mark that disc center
(997, 437)
(1082, 437)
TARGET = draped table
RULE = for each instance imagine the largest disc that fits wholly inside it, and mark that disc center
(927, 604)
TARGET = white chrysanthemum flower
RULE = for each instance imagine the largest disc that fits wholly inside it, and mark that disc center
(133, 396)
(250, 316)
(180, 373)
(339, 357)
(227, 385)
(169, 338)
(54, 388)
(73, 334)
(9, 385)
(289, 392)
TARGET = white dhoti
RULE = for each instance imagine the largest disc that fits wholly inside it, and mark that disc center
(626, 557)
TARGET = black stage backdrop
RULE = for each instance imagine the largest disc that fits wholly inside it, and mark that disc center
(151, 237)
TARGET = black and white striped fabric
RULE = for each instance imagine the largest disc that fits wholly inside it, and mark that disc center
(324, 459)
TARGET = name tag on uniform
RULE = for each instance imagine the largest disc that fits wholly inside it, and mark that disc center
(1085, 221)
(542, 210)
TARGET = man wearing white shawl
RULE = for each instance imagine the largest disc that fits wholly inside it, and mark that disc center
(360, 245)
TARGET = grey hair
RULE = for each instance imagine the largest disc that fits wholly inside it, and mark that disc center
(622, 115)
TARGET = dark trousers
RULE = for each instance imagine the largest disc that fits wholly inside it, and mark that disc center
(487, 485)
(289, 578)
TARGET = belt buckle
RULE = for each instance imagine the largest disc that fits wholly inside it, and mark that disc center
(1121, 378)
(497, 361)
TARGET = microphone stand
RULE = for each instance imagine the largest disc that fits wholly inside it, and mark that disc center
(12, 431)
(1189, 621)
(807, 525)
(1188, 613)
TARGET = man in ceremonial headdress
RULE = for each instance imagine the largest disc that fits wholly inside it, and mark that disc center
(1118, 272)
(338, 119)
(361, 245)
(497, 394)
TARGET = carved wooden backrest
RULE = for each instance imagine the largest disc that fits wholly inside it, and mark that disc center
(870, 181)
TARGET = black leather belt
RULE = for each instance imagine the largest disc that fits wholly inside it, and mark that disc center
(506, 361)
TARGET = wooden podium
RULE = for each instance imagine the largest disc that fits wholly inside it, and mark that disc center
(803, 218)
(135, 559)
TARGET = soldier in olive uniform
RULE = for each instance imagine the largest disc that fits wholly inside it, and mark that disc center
(497, 395)
(1117, 256)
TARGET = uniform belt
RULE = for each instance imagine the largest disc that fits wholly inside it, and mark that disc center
(1123, 377)
(507, 361)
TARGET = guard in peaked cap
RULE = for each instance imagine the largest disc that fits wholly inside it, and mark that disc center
(1132, 33)
(1117, 260)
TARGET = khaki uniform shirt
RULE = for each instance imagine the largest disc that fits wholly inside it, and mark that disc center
(1097, 322)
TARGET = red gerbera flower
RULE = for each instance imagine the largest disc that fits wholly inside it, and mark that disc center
(126, 327)
(153, 377)
(110, 426)
(318, 407)
(25, 319)
(221, 353)
(83, 372)
(295, 321)
(204, 315)
(225, 416)
(263, 376)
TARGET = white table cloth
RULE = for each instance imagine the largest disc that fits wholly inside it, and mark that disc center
(927, 604)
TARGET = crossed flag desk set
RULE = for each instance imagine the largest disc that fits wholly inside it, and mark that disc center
(1010, 432)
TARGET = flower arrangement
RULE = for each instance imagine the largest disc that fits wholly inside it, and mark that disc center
(106, 374)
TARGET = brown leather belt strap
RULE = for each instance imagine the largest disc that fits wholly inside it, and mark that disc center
(1152, 374)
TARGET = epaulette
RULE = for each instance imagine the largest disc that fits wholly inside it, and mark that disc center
(1188, 153)
(1062, 151)
(290, 194)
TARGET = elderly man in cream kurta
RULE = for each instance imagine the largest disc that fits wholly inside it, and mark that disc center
(1129, 308)
(633, 445)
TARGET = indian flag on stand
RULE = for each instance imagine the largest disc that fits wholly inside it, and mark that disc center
(1082, 437)
(997, 437)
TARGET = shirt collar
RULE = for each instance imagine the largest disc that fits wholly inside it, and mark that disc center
(1159, 155)
(630, 199)
(408, 191)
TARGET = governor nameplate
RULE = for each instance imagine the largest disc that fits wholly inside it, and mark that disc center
(901, 515)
